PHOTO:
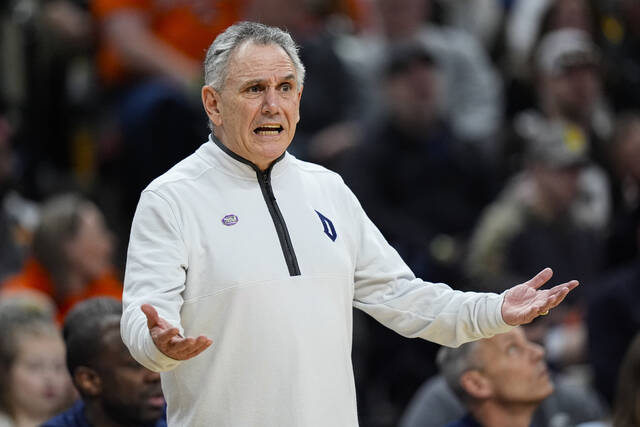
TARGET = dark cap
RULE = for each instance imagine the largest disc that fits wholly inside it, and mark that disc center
(401, 55)
(558, 144)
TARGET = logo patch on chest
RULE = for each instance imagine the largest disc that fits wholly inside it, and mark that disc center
(230, 220)
(329, 229)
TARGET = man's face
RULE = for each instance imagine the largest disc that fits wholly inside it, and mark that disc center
(515, 368)
(258, 108)
(90, 250)
(558, 187)
(575, 91)
(413, 95)
(130, 393)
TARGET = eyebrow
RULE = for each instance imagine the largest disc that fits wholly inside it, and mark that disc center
(287, 78)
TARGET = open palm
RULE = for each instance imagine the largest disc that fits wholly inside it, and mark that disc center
(525, 302)
(168, 339)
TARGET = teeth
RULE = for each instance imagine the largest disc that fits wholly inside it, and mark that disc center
(268, 130)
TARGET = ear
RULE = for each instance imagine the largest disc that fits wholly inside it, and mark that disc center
(476, 384)
(87, 381)
(211, 103)
(299, 98)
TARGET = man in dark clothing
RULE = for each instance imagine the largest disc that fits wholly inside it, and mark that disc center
(115, 389)
(613, 319)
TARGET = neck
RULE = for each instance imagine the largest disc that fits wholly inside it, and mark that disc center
(496, 414)
(545, 207)
(555, 112)
(73, 284)
(99, 417)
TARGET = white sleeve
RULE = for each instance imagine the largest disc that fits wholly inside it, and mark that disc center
(387, 289)
(155, 274)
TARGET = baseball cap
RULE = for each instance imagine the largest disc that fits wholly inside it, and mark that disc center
(558, 144)
(401, 55)
(562, 49)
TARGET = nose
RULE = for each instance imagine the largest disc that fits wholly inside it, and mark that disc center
(270, 102)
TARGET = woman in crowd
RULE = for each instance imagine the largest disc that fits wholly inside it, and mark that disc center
(71, 256)
(34, 382)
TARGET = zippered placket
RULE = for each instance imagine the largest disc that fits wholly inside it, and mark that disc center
(264, 178)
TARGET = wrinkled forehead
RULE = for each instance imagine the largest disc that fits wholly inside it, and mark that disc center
(491, 347)
(257, 60)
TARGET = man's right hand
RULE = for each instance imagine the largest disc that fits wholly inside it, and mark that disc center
(168, 339)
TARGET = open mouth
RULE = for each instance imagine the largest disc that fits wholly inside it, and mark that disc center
(268, 130)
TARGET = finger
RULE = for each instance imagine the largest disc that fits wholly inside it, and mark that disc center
(198, 348)
(569, 285)
(553, 300)
(557, 299)
(540, 279)
(152, 315)
(165, 337)
(184, 346)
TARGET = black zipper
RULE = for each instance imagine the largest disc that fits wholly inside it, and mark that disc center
(264, 180)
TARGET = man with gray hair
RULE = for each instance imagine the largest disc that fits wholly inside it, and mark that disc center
(501, 380)
(243, 245)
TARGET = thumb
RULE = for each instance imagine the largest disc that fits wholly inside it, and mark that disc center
(152, 315)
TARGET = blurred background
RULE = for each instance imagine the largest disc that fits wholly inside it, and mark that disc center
(487, 139)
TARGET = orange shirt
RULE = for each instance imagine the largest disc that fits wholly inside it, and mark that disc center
(34, 277)
(189, 26)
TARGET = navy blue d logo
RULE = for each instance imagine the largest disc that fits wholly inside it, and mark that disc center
(329, 230)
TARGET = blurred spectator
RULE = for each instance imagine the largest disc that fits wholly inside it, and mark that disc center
(34, 384)
(527, 22)
(500, 380)
(115, 389)
(612, 315)
(418, 182)
(71, 258)
(435, 405)
(613, 319)
(626, 412)
(481, 18)
(622, 245)
(544, 216)
(18, 216)
(569, 88)
(46, 78)
(150, 57)
(472, 100)
(424, 189)
(534, 221)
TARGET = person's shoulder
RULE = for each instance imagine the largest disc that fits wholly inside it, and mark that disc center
(314, 170)
(73, 417)
(187, 170)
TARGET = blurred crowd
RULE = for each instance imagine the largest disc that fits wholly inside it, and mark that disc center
(486, 139)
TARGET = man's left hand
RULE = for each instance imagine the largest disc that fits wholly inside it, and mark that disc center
(526, 301)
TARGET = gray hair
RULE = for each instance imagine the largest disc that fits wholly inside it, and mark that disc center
(216, 63)
(454, 362)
